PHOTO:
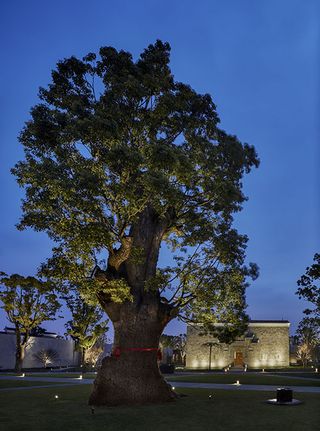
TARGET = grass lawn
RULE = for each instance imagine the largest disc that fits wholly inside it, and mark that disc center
(245, 378)
(307, 375)
(20, 383)
(37, 410)
(62, 375)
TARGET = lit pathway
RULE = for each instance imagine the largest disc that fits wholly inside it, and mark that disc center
(76, 381)
(233, 387)
(70, 380)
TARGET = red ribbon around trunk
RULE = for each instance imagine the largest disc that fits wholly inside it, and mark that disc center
(117, 351)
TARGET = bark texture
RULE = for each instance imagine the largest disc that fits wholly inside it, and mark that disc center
(131, 375)
(21, 343)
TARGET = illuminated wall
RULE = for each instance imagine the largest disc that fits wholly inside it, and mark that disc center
(264, 345)
(66, 354)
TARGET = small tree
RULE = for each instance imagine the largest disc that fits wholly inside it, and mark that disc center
(93, 355)
(166, 342)
(210, 344)
(27, 302)
(309, 286)
(177, 344)
(308, 334)
(179, 351)
(85, 327)
(46, 356)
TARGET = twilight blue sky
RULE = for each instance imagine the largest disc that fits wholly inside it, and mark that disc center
(258, 59)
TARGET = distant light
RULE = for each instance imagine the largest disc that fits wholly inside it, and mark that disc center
(237, 383)
(80, 377)
(56, 397)
(316, 370)
(262, 370)
(23, 375)
(173, 388)
(210, 396)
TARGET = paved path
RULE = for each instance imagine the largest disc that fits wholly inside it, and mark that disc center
(258, 373)
(70, 380)
(76, 381)
(233, 387)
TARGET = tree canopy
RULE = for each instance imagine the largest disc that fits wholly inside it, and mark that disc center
(85, 327)
(308, 336)
(309, 286)
(27, 302)
(120, 158)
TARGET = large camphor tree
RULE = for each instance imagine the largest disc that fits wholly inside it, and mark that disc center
(119, 159)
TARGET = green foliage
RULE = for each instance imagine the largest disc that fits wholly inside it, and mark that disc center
(177, 343)
(71, 274)
(86, 326)
(94, 355)
(308, 336)
(37, 331)
(27, 301)
(309, 286)
(117, 145)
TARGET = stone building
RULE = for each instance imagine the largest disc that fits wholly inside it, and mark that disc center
(265, 344)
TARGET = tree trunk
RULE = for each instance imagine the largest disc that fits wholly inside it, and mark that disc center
(131, 375)
(83, 359)
(20, 352)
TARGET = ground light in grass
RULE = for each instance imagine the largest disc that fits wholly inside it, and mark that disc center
(56, 397)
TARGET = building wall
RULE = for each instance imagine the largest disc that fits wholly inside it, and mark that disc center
(266, 346)
(64, 348)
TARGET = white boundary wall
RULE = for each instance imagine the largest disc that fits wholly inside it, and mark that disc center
(67, 356)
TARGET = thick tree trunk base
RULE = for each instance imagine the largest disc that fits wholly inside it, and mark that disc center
(133, 378)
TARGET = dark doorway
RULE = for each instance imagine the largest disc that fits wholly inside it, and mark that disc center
(238, 360)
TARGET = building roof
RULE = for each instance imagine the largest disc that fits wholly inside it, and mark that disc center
(269, 321)
(45, 334)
